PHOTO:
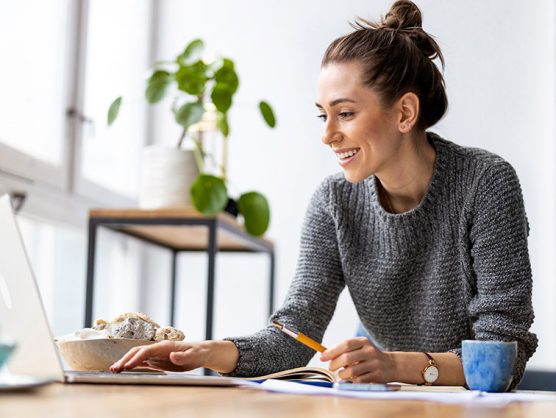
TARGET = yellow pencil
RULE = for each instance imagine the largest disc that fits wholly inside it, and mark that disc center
(302, 338)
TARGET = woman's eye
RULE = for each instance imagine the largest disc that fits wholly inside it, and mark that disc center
(345, 115)
(341, 115)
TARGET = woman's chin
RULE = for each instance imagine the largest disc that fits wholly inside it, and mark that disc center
(354, 177)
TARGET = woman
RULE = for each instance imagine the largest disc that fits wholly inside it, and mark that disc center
(429, 237)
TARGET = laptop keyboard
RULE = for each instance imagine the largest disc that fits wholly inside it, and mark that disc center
(107, 373)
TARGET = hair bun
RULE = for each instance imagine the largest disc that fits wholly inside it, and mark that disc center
(402, 15)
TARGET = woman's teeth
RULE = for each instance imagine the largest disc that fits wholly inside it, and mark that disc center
(348, 154)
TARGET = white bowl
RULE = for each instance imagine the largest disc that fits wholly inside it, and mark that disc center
(97, 354)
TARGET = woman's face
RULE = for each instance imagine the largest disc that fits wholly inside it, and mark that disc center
(363, 134)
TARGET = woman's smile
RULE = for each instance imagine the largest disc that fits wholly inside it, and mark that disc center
(346, 155)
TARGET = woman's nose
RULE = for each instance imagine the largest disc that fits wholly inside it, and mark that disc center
(330, 134)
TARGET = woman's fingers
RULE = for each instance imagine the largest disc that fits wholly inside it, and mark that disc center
(356, 351)
(138, 355)
(360, 361)
(344, 347)
(137, 359)
(118, 366)
(348, 359)
(146, 352)
(356, 370)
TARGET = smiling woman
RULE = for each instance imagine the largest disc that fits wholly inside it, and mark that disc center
(429, 237)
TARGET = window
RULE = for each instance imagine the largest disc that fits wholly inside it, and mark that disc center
(116, 63)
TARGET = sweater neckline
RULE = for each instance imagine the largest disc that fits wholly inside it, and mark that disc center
(430, 194)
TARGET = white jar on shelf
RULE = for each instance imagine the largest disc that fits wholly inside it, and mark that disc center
(166, 177)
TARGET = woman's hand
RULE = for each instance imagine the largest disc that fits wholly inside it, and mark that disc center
(360, 361)
(180, 356)
(175, 356)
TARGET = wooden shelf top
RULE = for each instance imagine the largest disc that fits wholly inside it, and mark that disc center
(156, 213)
(231, 236)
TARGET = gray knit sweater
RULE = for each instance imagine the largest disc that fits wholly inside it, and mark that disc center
(456, 267)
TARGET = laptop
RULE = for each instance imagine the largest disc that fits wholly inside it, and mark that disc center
(23, 318)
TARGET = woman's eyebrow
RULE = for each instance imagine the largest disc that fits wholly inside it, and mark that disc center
(336, 102)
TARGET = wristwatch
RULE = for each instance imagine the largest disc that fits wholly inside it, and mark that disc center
(430, 373)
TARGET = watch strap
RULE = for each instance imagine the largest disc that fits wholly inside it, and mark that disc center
(432, 363)
(431, 360)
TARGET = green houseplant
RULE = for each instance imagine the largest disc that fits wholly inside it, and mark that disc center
(204, 90)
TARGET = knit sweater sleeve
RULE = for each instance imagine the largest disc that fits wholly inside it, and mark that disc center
(500, 307)
(310, 302)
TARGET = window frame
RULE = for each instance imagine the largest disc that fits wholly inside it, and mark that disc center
(17, 163)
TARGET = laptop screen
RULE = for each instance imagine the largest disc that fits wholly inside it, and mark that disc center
(22, 315)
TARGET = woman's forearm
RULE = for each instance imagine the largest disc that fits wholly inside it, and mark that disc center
(222, 355)
(409, 368)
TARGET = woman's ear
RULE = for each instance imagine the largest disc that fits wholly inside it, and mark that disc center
(408, 110)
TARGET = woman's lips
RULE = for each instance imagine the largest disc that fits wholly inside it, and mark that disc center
(344, 158)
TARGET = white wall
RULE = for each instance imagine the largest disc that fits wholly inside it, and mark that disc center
(500, 69)
(500, 77)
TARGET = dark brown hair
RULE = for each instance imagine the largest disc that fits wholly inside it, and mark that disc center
(397, 57)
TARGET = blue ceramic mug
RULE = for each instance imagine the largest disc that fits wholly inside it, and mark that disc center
(488, 365)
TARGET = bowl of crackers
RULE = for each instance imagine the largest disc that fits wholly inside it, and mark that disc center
(97, 348)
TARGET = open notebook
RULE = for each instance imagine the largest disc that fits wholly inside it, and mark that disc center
(302, 373)
(324, 375)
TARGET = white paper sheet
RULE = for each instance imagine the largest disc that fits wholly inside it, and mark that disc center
(495, 399)
(506, 398)
(283, 386)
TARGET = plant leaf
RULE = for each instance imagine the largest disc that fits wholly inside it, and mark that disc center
(222, 123)
(158, 75)
(189, 113)
(256, 212)
(221, 96)
(209, 194)
(268, 114)
(113, 110)
(226, 75)
(156, 86)
(193, 52)
(192, 78)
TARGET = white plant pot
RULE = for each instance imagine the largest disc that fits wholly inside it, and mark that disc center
(166, 177)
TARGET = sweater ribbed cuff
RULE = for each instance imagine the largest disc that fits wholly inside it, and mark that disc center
(247, 361)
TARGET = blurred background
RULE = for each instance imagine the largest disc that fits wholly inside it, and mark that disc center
(64, 61)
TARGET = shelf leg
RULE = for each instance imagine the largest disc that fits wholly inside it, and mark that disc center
(212, 248)
(211, 280)
(173, 284)
(90, 280)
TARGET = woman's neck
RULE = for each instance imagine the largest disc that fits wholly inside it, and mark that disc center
(405, 182)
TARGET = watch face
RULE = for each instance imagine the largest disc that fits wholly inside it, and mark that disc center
(431, 374)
